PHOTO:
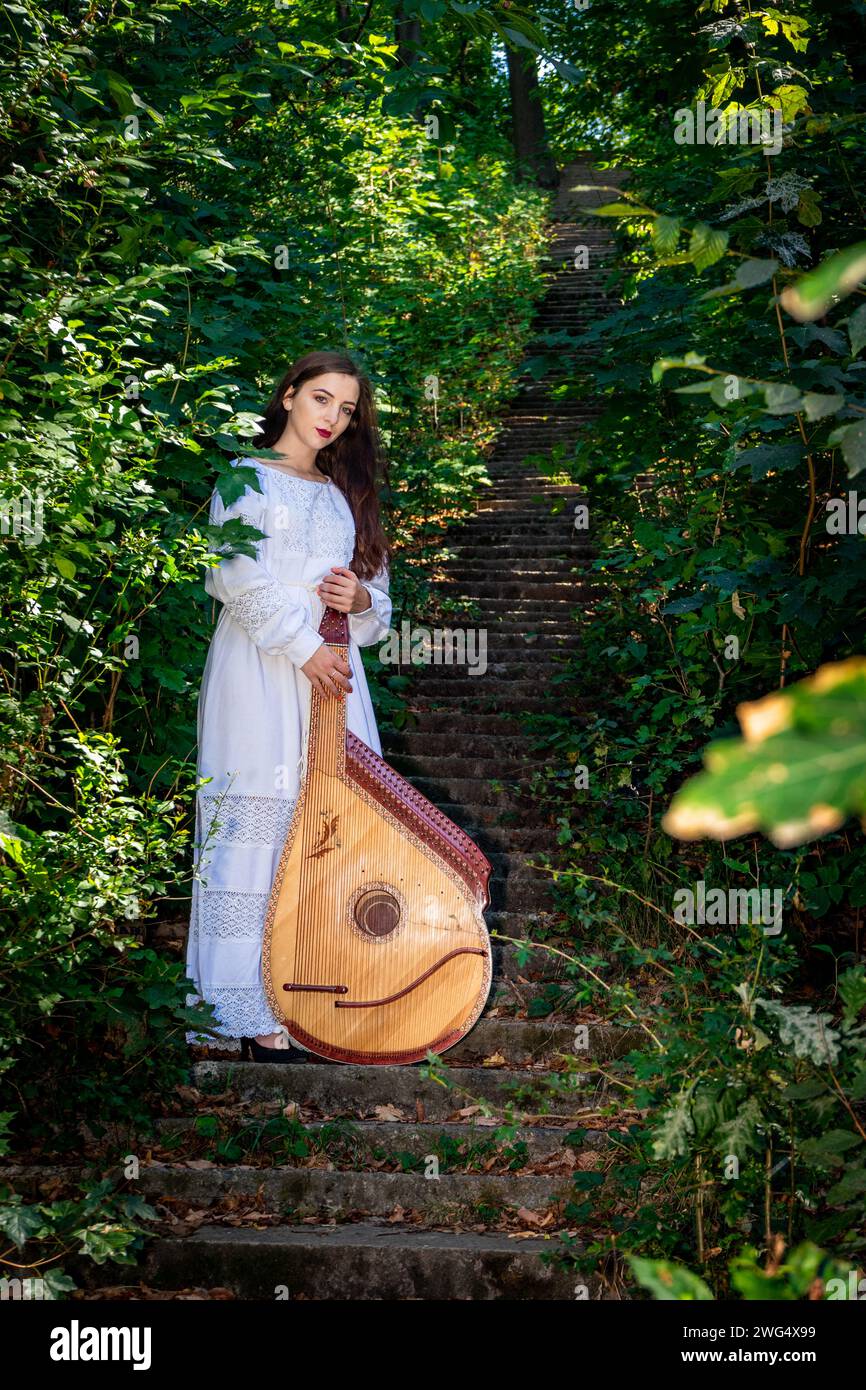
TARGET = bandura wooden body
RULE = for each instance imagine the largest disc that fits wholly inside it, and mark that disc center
(375, 948)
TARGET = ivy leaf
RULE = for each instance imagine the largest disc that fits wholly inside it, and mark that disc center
(706, 245)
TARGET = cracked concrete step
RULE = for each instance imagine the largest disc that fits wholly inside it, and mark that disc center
(346, 1089)
(357, 1261)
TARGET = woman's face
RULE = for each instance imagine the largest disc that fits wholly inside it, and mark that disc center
(321, 408)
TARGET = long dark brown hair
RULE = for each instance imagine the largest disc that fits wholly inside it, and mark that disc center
(355, 461)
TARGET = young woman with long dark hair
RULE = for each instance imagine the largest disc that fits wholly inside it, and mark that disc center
(324, 543)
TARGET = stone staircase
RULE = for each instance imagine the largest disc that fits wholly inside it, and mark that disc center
(344, 1182)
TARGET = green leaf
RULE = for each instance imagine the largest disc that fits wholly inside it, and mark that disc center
(20, 1222)
(782, 397)
(767, 458)
(807, 1032)
(852, 987)
(666, 234)
(64, 565)
(706, 245)
(621, 210)
(668, 1281)
(797, 774)
(818, 406)
(673, 1131)
(808, 208)
(664, 364)
(857, 329)
(851, 1185)
(853, 440)
(834, 278)
(755, 272)
(738, 1135)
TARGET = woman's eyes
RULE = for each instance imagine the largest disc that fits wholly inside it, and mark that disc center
(323, 400)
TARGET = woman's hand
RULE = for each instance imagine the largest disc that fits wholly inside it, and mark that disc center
(343, 590)
(328, 672)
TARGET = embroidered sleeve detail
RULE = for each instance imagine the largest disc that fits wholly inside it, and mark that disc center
(253, 597)
(253, 607)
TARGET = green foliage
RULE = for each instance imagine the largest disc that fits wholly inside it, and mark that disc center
(194, 196)
(798, 773)
(731, 391)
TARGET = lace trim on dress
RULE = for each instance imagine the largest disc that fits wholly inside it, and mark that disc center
(240, 1012)
(254, 607)
(226, 913)
(246, 820)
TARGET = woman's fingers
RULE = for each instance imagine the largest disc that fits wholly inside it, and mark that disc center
(335, 683)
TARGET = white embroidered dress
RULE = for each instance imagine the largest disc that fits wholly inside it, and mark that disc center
(253, 710)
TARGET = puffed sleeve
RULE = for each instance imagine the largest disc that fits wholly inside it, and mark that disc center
(267, 611)
(373, 623)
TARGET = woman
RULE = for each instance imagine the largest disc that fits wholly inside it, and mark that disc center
(324, 544)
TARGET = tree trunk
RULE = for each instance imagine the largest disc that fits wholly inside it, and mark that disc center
(528, 133)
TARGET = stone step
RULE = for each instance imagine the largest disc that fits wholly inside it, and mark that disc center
(316, 1192)
(493, 749)
(524, 1041)
(346, 1089)
(354, 1261)
(498, 590)
(473, 1140)
(463, 694)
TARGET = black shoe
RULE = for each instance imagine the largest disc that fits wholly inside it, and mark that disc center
(253, 1051)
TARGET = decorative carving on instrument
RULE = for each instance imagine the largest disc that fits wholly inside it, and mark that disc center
(327, 841)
